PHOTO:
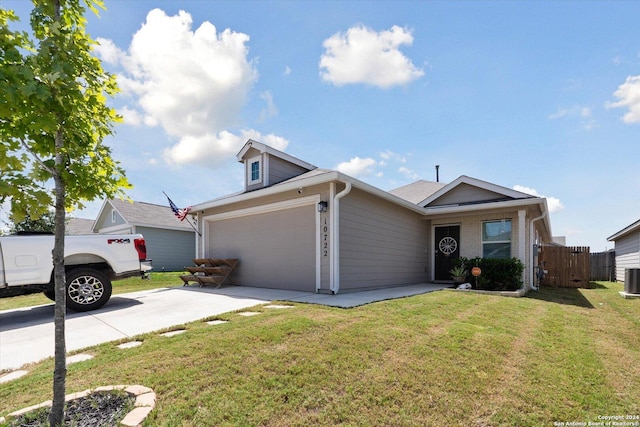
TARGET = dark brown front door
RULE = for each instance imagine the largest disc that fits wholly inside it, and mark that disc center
(447, 248)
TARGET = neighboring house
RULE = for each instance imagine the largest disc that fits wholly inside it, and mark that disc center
(296, 226)
(627, 248)
(170, 242)
(78, 226)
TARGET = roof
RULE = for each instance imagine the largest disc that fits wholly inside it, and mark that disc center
(463, 179)
(627, 230)
(307, 179)
(77, 226)
(417, 191)
(263, 148)
(148, 215)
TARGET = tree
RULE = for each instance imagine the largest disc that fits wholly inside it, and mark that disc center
(53, 119)
(45, 224)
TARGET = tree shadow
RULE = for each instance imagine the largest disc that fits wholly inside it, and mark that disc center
(566, 296)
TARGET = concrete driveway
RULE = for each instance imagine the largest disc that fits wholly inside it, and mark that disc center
(27, 334)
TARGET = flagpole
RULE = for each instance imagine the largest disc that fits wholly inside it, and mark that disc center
(175, 210)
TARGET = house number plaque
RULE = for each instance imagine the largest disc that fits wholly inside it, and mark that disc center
(324, 237)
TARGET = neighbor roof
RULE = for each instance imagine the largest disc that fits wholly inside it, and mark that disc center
(148, 214)
(77, 226)
(629, 229)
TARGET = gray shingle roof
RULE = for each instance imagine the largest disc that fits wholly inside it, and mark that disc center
(76, 226)
(417, 191)
(148, 214)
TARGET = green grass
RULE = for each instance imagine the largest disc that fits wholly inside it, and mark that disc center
(438, 359)
(132, 284)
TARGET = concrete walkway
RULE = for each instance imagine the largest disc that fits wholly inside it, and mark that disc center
(27, 334)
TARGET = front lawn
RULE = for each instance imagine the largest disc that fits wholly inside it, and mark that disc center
(438, 359)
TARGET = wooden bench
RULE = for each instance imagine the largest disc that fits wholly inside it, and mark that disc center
(209, 271)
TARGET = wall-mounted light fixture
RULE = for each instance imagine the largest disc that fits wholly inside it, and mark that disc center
(322, 206)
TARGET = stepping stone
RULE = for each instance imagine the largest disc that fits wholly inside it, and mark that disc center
(174, 333)
(249, 313)
(78, 358)
(278, 306)
(129, 344)
(216, 322)
(13, 376)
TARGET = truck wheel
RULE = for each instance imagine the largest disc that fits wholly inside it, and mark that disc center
(87, 289)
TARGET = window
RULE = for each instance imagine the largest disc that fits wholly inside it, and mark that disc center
(496, 239)
(254, 174)
(113, 215)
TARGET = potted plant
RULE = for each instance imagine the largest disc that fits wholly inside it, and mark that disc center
(459, 274)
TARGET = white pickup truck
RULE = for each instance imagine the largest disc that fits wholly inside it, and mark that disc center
(91, 263)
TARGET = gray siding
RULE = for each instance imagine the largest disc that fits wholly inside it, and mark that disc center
(170, 250)
(276, 249)
(380, 243)
(627, 254)
(465, 193)
(281, 170)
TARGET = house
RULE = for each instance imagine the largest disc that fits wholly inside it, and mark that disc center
(627, 249)
(79, 226)
(300, 227)
(170, 242)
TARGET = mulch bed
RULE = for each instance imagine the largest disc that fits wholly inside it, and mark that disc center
(100, 409)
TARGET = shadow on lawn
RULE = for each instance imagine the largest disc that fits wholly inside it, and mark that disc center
(568, 296)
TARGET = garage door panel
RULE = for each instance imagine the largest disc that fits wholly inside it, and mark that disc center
(276, 249)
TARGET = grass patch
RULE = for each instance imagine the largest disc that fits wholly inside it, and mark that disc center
(443, 358)
(131, 284)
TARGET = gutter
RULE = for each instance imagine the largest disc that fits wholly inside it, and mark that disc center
(334, 286)
(532, 268)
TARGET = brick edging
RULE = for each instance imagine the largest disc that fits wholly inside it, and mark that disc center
(144, 404)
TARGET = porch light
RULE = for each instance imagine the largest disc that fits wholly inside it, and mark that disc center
(322, 206)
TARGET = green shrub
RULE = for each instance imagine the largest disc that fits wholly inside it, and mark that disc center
(498, 274)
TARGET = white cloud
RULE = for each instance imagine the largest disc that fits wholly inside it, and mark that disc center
(362, 55)
(192, 83)
(558, 114)
(581, 115)
(213, 149)
(408, 173)
(553, 203)
(270, 110)
(108, 51)
(357, 166)
(130, 116)
(628, 95)
(287, 71)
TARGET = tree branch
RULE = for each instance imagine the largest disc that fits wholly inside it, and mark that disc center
(37, 158)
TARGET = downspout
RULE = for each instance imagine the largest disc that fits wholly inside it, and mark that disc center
(335, 238)
(532, 267)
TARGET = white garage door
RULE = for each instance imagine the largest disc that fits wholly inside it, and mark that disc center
(276, 249)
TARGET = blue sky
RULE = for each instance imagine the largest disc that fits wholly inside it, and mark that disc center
(538, 96)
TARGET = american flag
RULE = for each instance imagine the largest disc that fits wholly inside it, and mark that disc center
(181, 214)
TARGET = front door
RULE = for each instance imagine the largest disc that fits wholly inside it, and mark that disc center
(447, 248)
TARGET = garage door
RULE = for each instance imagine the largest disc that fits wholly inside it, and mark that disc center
(276, 249)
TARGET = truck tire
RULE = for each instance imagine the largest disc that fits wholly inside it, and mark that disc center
(87, 289)
(51, 294)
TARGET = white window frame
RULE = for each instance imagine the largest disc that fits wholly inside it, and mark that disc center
(250, 162)
(489, 242)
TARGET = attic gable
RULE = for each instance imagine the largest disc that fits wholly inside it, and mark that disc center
(466, 190)
(266, 166)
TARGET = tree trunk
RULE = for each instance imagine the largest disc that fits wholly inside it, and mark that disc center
(56, 416)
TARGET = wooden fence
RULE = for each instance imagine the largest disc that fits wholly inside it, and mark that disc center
(565, 266)
(603, 266)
